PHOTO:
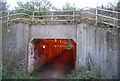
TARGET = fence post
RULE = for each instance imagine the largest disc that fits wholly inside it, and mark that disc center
(52, 17)
(73, 17)
(96, 16)
(33, 16)
(8, 18)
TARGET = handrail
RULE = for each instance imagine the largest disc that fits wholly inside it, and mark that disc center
(14, 15)
(58, 11)
(102, 22)
(38, 16)
(101, 10)
(53, 16)
(100, 15)
(86, 10)
(60, 14)
(39, 11)
(16, 10)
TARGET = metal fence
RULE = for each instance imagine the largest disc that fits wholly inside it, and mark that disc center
(98, 15)
(103, 16)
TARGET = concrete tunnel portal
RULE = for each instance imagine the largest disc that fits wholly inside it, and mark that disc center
(60, 53)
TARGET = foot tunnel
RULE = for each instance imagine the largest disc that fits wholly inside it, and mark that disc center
(60, 53)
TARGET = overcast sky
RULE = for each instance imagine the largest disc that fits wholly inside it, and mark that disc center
(60, 3)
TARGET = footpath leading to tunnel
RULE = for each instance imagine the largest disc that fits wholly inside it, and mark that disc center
(57, 67)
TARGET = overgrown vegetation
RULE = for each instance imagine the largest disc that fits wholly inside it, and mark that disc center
(8, 74)
(83, 73)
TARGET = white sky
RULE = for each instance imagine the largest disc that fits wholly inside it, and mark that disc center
(60, 3)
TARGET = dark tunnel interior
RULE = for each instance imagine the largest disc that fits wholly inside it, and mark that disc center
(58, 53)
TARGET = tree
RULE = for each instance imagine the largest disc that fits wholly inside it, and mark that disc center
(118, 6)
(118, 9)
(69, 6)
(3, 6)
(36, 5)
(113, 5)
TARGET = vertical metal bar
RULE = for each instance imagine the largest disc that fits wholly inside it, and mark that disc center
(52, 17)
(15, 15)
(73, 17)
(96, 16)
(96, 11)
(8, 18)
(33, 16)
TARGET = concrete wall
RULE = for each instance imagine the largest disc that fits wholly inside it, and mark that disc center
(15, 43)
(119, 52)
(54, 31)
(0, 51)
(96, 48)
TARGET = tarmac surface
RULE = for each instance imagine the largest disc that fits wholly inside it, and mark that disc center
(58, 67)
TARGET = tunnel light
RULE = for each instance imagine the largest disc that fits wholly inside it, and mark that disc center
(55, 40)
(55, 45)
(60, 41)
(43, 46)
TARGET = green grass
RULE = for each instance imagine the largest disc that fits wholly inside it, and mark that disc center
(7, 74)
(83, 74)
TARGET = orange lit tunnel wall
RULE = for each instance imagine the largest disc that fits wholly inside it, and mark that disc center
(47, 49)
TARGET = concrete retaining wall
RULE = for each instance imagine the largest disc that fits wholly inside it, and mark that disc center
(54, 31)
(15, 45)
(96, 48)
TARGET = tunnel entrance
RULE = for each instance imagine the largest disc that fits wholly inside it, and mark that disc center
(56, 53)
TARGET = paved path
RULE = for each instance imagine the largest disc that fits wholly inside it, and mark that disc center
(58, 67)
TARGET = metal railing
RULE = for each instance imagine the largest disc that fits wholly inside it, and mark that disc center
(98, 15)
(103, 16)
(24, 14)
